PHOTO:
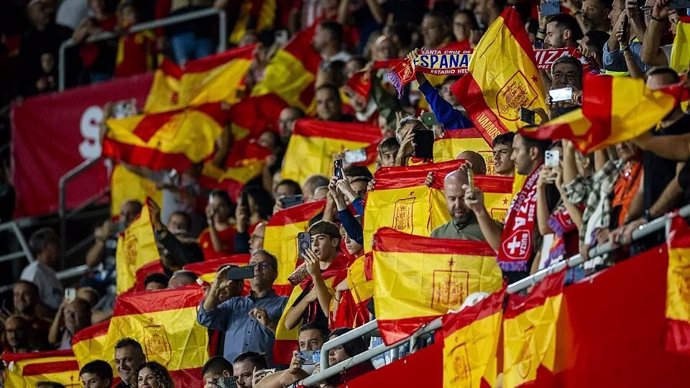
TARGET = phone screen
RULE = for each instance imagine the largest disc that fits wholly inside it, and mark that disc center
(562, 94)
(424, 144)
(355, 156)
(338, 169)
(527, 115)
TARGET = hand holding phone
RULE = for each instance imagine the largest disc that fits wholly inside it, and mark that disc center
(561, 94)
(552, 158)
(338, 169)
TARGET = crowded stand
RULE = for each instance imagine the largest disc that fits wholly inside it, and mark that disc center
(457, 175)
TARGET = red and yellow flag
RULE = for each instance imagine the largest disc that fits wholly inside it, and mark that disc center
(680, 53)
(136, 247)
(253, 115)
(400, 199)
(503, 77)
(255, 15)
(614, 109)
(417, 279)
(291, 72)
(89, 344)
(452, 143)
(470, 343)
(164, 94)
(206, 270)
(164, 323)
(280, 238)
(126, 185)
(168, 140)
(25, 370)
(314, 143)
(678, 287)
(530, 329)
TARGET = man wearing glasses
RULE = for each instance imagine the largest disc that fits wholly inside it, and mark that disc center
(248, 321)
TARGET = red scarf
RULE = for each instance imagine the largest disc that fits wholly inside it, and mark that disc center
(517, 238)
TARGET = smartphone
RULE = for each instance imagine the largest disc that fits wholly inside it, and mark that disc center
(527, 115)
(552, 158)
(424, 144)
(429, 119)
(550, 7)
(338, 169)
(124, 108)
(355, 156)
(299, 274)
(281, 37)
(562, 94)
(70, 294)
(291, 200)
(241, 273)
(310, 357)
(678, 4)
(303, 243)
(226, 382)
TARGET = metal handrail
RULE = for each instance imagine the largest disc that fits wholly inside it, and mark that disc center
(25, 252)
(372, 326)
(222, 28)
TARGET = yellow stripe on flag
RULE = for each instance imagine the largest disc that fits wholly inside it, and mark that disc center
(362, 288)
(89, 344)
(220, 83)
(26, 370)
(126, 185)
(165, 89)
(307, 156)
(136, 247)
(454, 142)
(680, 52)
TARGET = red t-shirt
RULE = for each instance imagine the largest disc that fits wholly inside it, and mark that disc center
(226, 235)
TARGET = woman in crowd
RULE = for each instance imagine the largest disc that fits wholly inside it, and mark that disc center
(342, 353)
(219, 238)
(153, 375)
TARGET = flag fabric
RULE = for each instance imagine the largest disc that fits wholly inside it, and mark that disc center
(400, 199)
(164, 94)
(126, 185)
(614, 109)
(168, 140)
(24, 370)
(89, 344)
(680, 52)
(314, 143)
(136, 247)
(418, 279)
(360, 279)
(206, 270)
(254, 15)
(530, 328)
(452, 143)
(251, 116)
(280, 239)
(291, 73)
(503, 77)
(678, 287)
(164, 323)
(470, 343)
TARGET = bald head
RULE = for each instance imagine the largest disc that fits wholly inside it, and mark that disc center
(478, 163)
(455, 194)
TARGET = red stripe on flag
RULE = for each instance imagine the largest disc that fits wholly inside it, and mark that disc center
(359, 132)
(204, 267)
(213, 61)
(407, 177)
(9, 357)
(299, 213)
(494, 184)
(551, 286)
(301, 48)
(159, 300)
(146, 157)
(170, 68)
(470, 95)
(391, 240)
(151, 123)
(516, 26)
(470, 314)
(597, 105)
(50, 367)
(96, 330)
(466, 133)
(678, 336)
(395, 330)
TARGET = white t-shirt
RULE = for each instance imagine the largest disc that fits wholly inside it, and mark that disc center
(45, 278)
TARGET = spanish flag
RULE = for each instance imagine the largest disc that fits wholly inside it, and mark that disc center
(291, 72)
(164, 323)
(206, 270)
(314, 143)
(680, 53)
(280, 238)
(418, 279)
(25, 370)
(251, 116)
(400, 199)
(168, 140)
(614, 109)
(164, 94)
(470, 343)
(126, 185)
(245, 162)
(530, 330)
(503, 77)
(89, 344)
(136, 247)
(255, 15)
(678, 287)
(216, 78)
(452, 143)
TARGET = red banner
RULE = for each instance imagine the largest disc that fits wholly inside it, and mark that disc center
(53, 133)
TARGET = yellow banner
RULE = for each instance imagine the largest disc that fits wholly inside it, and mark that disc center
(136, 247)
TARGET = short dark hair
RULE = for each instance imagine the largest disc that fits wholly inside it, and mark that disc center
(389, 145)
(566, 21)
(51, 384)
(440, 16)
(262, 199)
(470, 15)
(325, 227)
(352, 347)
(657, 70)
(357, 172)
(98, 367)
(570, 60)
(185, 215)
(256, 359)
(317, 181)
(221, 194)
(504, 138)
(273, 260)
(41, 238)
(31, 285)
(332, 88)
(334, 28)
(187, 274)
(597, 39)
(216, 365)
(156, 277)
(541, 145)
(315, 326)
(292, 184)
(128, 341)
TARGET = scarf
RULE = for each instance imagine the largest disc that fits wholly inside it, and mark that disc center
(517, 239)
(456, 62)
(561, 223)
